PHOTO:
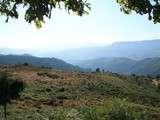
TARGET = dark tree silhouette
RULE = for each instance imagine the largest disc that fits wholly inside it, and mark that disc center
(150, 7)
(98, 70)
(36, 10)
(9, 90)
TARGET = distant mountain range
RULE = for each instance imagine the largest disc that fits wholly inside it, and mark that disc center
(139, 57)
(135, 50)
(120, 65)
(150, 66)
(37, 61)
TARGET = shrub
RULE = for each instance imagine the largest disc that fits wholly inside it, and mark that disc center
(66, 114)
(121, 110)
(26, 64)
(53, 76)
(90, 113)
(98, 70)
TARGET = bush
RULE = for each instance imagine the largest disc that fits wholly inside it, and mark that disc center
(66, 114)
(53, 76)
(98, 70)
(26, 64)
(90, 113)
(121, 110)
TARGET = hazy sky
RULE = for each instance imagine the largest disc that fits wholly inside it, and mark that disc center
(105, 24)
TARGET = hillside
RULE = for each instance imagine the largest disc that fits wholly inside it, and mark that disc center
(148, 66)
(117, 65)
(37, 61)
(62, 95)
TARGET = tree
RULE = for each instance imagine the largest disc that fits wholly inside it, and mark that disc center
(9, 90)
(98, 70)
(37, 10)
(150, 7)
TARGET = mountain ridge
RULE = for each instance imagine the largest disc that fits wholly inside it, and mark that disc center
(136, 50)
(38, 61)
(150, 66)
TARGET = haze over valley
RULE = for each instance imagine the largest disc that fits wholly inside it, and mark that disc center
(140, 57)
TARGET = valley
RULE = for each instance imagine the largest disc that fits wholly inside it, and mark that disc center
(107, 86)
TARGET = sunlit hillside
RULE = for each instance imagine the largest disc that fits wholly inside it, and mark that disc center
(61, 95)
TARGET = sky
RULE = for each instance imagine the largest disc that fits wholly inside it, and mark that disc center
(104, 25)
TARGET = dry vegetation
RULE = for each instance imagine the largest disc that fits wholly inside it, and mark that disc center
(51, 93)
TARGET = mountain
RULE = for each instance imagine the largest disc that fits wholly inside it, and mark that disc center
(37, 61)
(118, 65)
(146, 66)
(136, 50)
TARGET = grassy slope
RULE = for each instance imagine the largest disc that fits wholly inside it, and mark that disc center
(48, 91)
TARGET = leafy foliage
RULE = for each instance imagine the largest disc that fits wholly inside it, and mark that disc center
(37, 10)
(150, 7)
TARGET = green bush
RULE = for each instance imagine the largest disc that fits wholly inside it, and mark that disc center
(90, 113)
(46, 74)
(121, 110)
(66, 114)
